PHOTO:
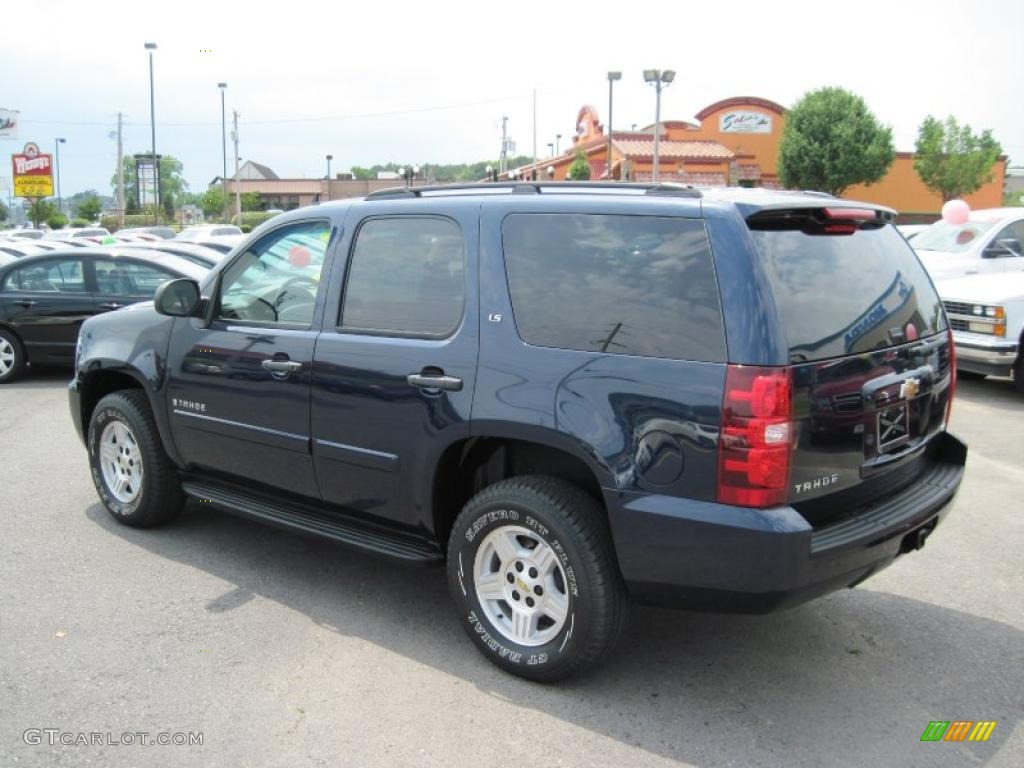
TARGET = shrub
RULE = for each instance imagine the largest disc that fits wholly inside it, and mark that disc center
(57, 221)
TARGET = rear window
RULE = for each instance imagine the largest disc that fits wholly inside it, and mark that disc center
(843, 294)
(631, 285)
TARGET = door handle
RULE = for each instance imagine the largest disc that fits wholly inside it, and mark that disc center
(282, 366)
(26, 303)
(434, 381)
(111, 305)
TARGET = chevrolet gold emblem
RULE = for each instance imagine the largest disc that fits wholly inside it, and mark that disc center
(522, 586)
(909, 388)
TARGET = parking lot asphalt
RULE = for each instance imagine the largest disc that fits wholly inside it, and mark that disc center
(285, 651)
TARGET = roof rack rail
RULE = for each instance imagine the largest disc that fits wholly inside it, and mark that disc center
(535, 188)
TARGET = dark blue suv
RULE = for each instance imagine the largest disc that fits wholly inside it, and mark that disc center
(571, 395)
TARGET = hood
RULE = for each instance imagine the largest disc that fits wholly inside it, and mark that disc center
(942, 265)
(987, 288)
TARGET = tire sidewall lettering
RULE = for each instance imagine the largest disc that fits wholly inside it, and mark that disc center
(100, 420)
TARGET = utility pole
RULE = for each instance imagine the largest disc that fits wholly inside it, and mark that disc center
(503, 165)
(534, 133)
(238, 182)
(120, 171)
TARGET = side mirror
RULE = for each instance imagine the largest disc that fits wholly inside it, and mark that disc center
(1003, 247)
(177, 298)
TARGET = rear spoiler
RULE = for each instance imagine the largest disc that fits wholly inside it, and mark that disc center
(833, 219)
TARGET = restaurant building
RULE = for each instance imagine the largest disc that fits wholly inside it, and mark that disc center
(734, 142)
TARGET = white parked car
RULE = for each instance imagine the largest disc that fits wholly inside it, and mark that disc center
(991, 240)
(210, 230)
(910, 231)
(986, 313)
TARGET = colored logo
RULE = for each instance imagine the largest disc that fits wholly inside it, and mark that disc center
(958, 730)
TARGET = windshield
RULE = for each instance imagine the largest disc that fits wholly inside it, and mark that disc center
(952, 238)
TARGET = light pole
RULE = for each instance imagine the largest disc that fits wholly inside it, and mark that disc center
(558, 139)
(657, 77)
(612, 77)
(551, 149)
(224, 147)
(60, 203)
(152, 131)
(329, 158)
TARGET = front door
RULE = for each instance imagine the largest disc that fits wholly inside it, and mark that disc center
(122, 281)
(396, 364)
(239, 389)
(47, 301)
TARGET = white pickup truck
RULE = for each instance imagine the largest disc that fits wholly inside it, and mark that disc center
(986, 313)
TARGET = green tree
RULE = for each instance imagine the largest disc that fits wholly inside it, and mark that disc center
(40, 211)
(832, 141)
(213, 202)
(4, 212)
(251, 201)
(57, 220)
(90, 207)
(951, 160)
(172, 183)
(580, 168)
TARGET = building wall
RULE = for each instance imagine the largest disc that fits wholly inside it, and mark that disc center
(759, 148)
(902, 189)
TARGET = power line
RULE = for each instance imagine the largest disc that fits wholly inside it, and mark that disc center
(283, 121)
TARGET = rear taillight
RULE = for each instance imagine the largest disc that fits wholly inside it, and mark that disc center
(952, 377)
(757, 435)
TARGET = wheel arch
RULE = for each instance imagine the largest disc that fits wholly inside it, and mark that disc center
(469, 465)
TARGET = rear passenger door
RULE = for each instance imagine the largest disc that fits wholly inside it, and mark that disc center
(394, 368)
(120, 282)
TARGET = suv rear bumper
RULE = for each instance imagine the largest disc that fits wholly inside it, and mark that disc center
(716, 557)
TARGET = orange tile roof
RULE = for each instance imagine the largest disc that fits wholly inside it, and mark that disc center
(682, 149)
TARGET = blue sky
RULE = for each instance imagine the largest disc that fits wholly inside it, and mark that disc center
(418, 82)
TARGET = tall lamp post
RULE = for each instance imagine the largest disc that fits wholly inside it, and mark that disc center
(657, 77)
(329, 158)
(558, 141)
(224, 147)
(152, 132)
(612, 77)
(60, 202)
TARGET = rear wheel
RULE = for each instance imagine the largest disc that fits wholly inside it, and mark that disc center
(532, 572)
(12, 356)
(134, 478)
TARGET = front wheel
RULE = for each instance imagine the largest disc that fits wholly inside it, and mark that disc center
(12, 357)
(534, 577)
(134, 478)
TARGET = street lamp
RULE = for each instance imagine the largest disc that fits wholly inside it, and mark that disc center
(612, 77)
(558, 139)
(657, 77)
(551, 149)
(329, 158)
(409, 174)
(60, 204)
(152, 129)
(224, 147)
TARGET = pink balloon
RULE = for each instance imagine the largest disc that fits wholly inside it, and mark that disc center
(955, 212)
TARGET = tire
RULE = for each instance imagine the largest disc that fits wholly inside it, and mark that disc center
(135, 480)
(1018, 374)
(558, 534)
(12, 356)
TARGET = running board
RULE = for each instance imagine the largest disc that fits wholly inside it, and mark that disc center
(295, 517)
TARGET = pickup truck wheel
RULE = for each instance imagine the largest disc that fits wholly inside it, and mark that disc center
(534, 577)
(134, 478)
(12, 357)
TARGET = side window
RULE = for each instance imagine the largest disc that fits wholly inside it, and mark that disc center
(64, 276)
(276, 279)
(631, 285)
(406, 278)
(119, 277)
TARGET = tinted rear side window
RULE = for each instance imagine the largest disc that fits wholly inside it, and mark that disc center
(406, 278)
(843, 294)
(632, 285)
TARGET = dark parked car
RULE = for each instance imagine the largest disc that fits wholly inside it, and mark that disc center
(571, 395)
(197, 254)
(44, 299)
